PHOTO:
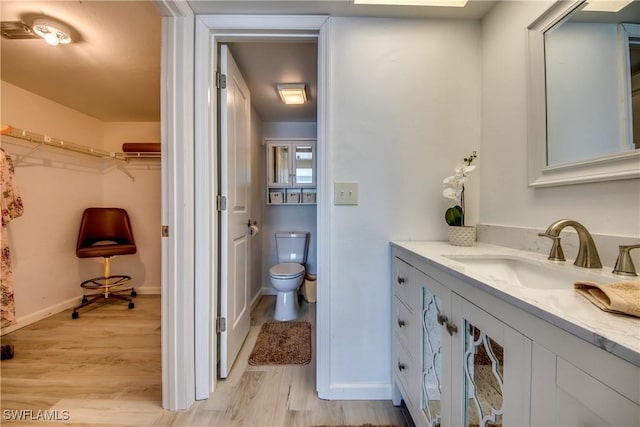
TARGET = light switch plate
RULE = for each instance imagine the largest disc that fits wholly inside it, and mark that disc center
(345, 193)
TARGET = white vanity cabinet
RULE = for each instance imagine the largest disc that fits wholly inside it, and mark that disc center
(565, 395)
(406, 333)
(478, 360)
(464, 367)
(291, 171)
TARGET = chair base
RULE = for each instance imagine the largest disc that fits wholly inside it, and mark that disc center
(105, 285)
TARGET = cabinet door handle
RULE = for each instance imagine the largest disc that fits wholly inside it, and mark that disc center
(401, 366)
(442, 319)
(452, 329)
(400, 280)
(401, 322)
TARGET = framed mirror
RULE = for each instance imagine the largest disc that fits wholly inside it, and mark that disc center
(278, 163)
(583, 95)
(304, 161)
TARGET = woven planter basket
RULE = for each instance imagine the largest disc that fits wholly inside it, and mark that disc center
(462, 236)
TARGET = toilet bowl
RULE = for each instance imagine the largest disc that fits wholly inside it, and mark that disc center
(287, 276)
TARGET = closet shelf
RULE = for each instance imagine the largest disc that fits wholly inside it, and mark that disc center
(49, 141)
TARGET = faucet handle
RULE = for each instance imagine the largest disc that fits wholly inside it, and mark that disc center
(624, 264)
(556, 253)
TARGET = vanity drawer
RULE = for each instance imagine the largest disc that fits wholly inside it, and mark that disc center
(402, 280)
(406, 370)
(405, 327)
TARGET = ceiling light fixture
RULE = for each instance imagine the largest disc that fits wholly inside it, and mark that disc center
(439, 3)
(293, 93)
(606, 5)
(52, 32)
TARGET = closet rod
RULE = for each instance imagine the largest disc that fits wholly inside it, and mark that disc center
(59, 143)
(45, 140)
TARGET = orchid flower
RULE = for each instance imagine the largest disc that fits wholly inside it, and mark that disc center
(454, 190)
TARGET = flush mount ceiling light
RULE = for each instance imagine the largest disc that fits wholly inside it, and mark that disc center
(293, 93)
(606, 5)
(52, 32)
(440, 3)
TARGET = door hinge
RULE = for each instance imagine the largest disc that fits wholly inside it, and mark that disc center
(221, 324)
(165, 231)
(221, 80)
(221, 203)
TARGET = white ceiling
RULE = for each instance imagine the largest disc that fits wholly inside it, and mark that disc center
(112, 69)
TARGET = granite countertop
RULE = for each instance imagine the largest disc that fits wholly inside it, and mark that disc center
(565, 308)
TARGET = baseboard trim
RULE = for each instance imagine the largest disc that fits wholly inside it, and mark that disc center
(28, 319)
(360, 391)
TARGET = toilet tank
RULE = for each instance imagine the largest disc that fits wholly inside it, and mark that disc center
(292, 246)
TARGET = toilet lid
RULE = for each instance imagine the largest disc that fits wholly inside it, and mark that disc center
(286, 269)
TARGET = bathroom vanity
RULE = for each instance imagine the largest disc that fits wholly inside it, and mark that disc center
(488, 335)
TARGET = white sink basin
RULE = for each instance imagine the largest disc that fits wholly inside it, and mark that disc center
(517, 271)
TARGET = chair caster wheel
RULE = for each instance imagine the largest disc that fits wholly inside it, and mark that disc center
(134, 294)
(131, 305)
(75, 315)
(84, 300)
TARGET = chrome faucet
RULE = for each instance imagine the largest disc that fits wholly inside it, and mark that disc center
(587, 253)
(624, 263)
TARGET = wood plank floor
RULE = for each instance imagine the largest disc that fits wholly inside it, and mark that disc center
(104, 369)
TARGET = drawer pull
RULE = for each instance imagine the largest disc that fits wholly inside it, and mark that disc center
(401, 280)
(442, 319)
(401, 366)
(401, 322)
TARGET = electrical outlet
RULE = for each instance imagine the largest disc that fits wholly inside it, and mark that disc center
(345, 193)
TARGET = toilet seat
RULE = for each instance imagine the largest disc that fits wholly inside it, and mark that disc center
(286, 270)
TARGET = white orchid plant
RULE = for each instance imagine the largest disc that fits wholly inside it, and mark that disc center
(454, 190)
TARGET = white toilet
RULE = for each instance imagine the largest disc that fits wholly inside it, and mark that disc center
(287, 276)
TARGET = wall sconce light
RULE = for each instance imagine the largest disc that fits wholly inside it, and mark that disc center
(52, 32)
(293, 93)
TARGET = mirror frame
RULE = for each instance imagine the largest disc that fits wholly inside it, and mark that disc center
(607, 168)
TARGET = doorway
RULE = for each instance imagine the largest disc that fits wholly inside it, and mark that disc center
(263, 64)
(211, 31)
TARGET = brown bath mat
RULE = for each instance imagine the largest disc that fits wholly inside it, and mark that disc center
(282, 343)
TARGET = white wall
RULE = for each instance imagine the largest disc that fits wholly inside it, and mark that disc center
(505, 198)
(56, 186)
(285, 217)
(403, 109)
(257, 204)
(140, 195)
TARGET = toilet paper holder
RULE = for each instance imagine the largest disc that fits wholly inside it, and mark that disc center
(253, 227)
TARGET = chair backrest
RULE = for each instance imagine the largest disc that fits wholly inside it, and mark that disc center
(104, 224)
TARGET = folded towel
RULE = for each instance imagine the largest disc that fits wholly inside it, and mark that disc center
(621, 297)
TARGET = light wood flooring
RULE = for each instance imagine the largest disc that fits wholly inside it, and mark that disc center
(104, 369)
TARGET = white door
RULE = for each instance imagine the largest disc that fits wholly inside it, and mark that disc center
(235, 181)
